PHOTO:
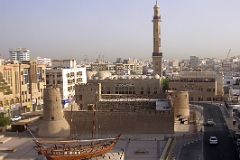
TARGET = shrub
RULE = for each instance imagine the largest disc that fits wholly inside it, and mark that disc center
(4, 121)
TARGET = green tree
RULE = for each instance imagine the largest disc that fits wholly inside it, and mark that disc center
(4, 121)
(165, 85)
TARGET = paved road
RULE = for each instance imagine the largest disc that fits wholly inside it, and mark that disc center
(226, 149)
(191, 151)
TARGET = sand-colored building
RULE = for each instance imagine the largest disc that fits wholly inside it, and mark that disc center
(201, 85)
(127, 112)
(135, 85)
(21, 86)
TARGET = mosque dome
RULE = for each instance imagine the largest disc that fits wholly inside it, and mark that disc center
(157, 76)
(91, 74)
(103, 74)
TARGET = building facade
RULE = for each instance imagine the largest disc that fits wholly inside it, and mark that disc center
(19, 54)
(194, 61)
(121, 112)
(45, 61)
(129, 67)
(66, 63)
(202, 86)
(21, 87)
(65, 75)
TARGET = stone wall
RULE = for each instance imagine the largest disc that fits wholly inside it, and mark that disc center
(108, 122)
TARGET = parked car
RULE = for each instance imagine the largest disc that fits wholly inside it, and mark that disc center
(16, 118)
(213, 140)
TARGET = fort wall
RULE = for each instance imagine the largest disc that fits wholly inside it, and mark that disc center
(107, 122)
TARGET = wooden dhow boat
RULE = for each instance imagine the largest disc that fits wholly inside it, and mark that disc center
(75, 149)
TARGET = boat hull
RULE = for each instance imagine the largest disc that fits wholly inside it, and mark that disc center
(74, 150)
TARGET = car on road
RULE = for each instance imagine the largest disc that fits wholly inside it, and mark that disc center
(238, 142)
(16, 118)
(213, 140)
(210, 122)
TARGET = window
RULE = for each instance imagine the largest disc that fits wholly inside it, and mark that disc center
(155, 90)
(79, 80)
(208, 89)
(79, 73)
(209, 99)
(148, 90)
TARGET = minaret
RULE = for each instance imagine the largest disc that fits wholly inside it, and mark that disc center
(157, 54)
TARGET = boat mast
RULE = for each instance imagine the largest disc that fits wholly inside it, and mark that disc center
(93, 124)
(71, 119)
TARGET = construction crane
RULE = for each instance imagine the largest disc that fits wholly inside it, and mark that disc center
(228, 53)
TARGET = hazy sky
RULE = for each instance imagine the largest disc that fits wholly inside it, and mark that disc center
(119, 28)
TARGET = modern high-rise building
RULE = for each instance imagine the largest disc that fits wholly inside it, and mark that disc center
(157, 54)
(19, 54)
(194, 61)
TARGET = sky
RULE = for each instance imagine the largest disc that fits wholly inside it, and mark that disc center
(82, 29)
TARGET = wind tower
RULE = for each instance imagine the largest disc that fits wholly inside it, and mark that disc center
(157, 54)
(53, 123)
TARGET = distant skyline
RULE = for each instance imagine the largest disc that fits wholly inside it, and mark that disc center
(84, 29)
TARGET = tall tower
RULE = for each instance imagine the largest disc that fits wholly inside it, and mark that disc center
(53, 123)
(157, 54)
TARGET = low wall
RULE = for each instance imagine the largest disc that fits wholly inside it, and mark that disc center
(107, 122)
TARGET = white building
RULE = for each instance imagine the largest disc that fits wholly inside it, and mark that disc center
(66, 77)
(46, 61)
(1, 61)
(231, 79)
(19, 54)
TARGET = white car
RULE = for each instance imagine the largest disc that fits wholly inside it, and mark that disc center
(16, 118)
(213, 140)
(210, 122)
